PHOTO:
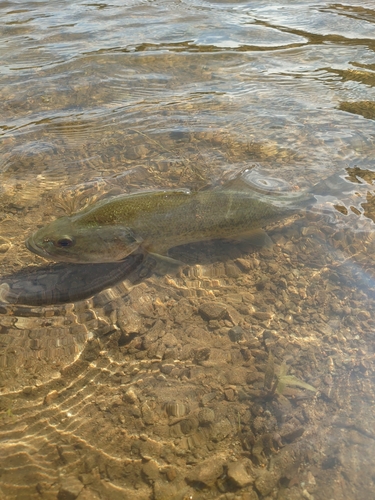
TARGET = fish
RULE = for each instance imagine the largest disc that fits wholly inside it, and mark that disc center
(152, 222)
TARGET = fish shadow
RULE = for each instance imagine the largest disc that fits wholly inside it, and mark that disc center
(59, 283)
(62, 283)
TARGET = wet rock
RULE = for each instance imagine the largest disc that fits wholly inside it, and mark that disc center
(149, 449)
(244, 264)
(171, 473)
(239, 475)
(188, 425)
(266, 481)
(130, 396)
(207, 398)
(233, 315)
(202, 354)
(151, 470)
(230, 395)
(289, 437)
(221, 430)
(207, 472)
(206, 416)
(50, 397)
(236, 333)
(87, 494)
(263, 315)
(212, 310)
(167, 368)
(176, 409)
(147, 414)
(136, 152)
(164, 491)
(253, 376)
(70, 488)
(4, 245)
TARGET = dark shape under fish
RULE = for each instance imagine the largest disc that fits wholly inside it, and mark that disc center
(61, 283)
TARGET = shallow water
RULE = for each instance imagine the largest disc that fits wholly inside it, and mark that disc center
(140, 384)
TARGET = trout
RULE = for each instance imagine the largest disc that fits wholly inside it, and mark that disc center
(155, 221)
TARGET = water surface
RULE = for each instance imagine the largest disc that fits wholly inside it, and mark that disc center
(134, 384)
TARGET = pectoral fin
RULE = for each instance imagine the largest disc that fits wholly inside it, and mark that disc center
(164, 264)
(259, 238)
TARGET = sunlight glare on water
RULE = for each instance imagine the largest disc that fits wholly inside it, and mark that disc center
(249, 372)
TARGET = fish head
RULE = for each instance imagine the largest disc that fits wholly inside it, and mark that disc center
(65, 240)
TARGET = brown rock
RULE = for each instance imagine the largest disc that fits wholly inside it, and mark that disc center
(263, 315)
(151, 470)
(206, 416)
(212, 310)
(70, 488)
(50, 397)
(207, 472)
(238, 474)
(87, 494)
(220, 430)
(266, 481)
(230, 395)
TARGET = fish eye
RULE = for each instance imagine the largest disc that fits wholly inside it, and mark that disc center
(64, 242)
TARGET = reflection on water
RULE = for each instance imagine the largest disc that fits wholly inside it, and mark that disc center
(121, 382)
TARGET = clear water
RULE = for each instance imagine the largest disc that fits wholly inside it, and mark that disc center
(121, 382)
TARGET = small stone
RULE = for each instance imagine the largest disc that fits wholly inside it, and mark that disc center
(253, 375)
(207, 472)
(151, 470)
(229, 394)
(262, 315)
(293, 435)
(363, 315)
(167, 368)
(51, 396)
(175, 409)
(221, 430)
(236, 333)
(266, 482)
(212, 310)
(164, 491)
(70, 488)
(244, 264)
(87, 494)
(171, 473)
(238, 474)
(207, 398)
(206, 416)
(130, 396)
(147, 414)
(4, 245)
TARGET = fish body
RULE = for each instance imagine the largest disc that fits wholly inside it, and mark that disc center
(154, 222)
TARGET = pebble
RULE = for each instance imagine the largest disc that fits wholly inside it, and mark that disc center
(130, 396)
(151, 470)
(221, 430)
(230, 394)
(262, 315)
(147, 414)
(70, 488)
(87, 494)
(238, 474)
(266, 481)
(206, 416)
(4, 245)
(175, 409)
(51, 396)
(212, 310)
(207, 472)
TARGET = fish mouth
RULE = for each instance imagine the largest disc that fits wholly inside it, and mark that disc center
(33, 247)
